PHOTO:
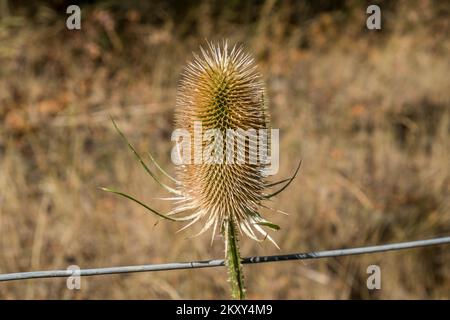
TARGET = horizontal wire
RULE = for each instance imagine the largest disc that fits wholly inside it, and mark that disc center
(220, 262)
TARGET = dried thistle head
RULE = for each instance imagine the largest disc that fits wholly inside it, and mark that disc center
(224, 188)
(222, 90)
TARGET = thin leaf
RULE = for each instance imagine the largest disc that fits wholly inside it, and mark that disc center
(161, 169)
(269, 225)
(142, 161)
(139, 202)
(286, 185)
(277, 183)
(275, 210)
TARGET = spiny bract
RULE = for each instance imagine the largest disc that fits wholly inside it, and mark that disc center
(222, 89)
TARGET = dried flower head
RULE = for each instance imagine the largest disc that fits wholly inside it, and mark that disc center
(222, 90)
(225, 186)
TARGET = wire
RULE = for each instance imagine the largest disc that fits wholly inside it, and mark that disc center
(220, 262)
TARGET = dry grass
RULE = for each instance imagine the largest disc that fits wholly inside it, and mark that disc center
(368, 112)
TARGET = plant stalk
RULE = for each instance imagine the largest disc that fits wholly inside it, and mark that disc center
(233, 261)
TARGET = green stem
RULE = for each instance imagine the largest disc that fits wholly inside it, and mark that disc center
(233, 262)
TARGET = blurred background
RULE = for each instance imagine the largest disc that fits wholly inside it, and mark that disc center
(367, 111)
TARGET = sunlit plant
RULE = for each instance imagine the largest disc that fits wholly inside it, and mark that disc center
(221, 89)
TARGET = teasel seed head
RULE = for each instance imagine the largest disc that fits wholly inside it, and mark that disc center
(222, 89)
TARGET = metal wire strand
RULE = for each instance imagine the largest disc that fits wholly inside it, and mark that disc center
(220, 262)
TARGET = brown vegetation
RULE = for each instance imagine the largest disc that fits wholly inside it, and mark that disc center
(367, 111)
